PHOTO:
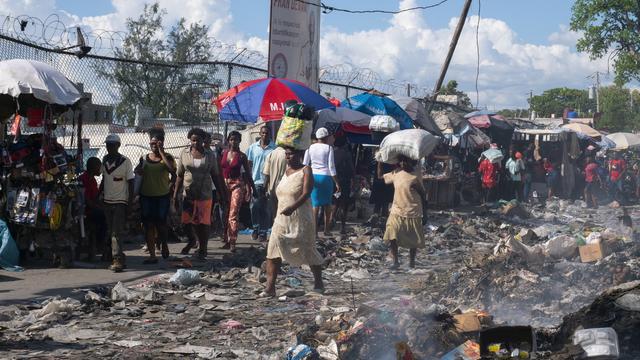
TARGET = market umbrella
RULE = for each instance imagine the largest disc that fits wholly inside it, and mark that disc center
(493, 155)
(27, 83)
(264, 99)
(351, 120)
(418, 113)
(374, 103)
(480, 121)
(624, 140)
(479, 113)
(582, 129)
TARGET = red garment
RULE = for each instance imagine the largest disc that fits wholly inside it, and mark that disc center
(90, 187)
(548, 167)
(231, 170)
(590, 172)
(617, 167)
(489, 172)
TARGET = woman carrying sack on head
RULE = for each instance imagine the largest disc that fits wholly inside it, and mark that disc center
(404, 225)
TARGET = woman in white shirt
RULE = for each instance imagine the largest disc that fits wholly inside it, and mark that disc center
(320, 158)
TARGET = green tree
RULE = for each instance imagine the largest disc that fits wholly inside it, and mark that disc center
(554, 101)
(619, 111)
(610, 25)
(157, 76)
(451, 88)
(513, 113)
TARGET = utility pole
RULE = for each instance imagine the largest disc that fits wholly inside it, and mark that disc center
(596, 77)
(530, 103)
(452, 48)
(598, 91)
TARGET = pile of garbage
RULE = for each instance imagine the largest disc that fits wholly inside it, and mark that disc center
(484, 276)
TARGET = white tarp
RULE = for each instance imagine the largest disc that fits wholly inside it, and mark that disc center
(19, 77)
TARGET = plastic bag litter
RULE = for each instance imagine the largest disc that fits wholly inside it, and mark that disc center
(123, 293)
(232, 325)
(54, 307)
(601, 343)
(329, 352)
(356, 274)
(531, 254)
(562, 247)
(301, 352)
(377, 244)
(185, 277)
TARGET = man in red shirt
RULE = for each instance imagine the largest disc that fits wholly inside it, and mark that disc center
(616, 167)
(591, 178)
(94, 214)
(489, 176)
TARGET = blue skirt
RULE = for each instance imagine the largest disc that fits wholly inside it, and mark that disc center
(322, 190)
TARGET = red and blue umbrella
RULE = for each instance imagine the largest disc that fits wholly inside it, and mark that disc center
(264, 99)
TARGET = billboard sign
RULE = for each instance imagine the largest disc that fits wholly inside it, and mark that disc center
(294, 40)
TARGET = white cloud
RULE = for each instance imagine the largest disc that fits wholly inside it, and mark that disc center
(407, 48)
(509, 68)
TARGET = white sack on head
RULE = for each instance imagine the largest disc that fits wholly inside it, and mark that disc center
(412, 143)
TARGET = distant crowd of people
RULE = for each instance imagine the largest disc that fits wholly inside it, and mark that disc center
(597, 178)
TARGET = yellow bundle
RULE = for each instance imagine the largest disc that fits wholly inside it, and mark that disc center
(294, 133)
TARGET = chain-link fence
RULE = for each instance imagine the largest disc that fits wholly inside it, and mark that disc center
(128, 96)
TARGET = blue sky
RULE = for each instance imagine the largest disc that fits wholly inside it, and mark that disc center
(533, 21)
(524, 45)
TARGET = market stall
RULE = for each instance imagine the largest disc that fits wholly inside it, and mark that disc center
(559, 147)
(42, 198)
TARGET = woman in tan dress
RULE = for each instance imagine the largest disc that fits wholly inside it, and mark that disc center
(404, 225)
(293, 233)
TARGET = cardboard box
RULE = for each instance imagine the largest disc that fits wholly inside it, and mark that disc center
(467, 322)
(591, 252)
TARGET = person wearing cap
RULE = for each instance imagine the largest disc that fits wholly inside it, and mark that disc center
(515, 167)
(321, 159)
(117, 195)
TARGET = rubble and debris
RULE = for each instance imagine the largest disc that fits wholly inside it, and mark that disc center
(479, 270)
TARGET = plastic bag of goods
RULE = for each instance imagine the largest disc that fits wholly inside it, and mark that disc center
(383, 123)
(412, 143)
(295, 133)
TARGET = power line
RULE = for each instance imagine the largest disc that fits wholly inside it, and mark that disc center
(478, 55)
(327, 8)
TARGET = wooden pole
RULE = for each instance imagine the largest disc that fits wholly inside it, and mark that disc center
(452, 49)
